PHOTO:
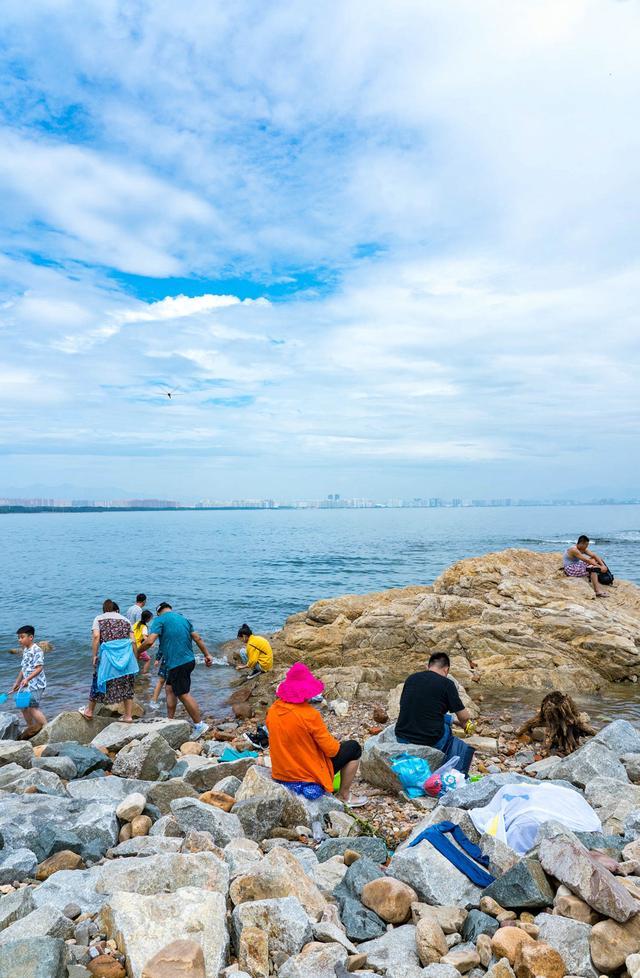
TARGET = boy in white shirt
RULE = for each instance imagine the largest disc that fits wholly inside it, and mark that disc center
(31, 676)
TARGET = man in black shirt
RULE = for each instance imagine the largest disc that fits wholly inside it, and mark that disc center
(427, 698)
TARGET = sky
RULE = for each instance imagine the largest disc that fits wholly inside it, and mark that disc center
(375, 248)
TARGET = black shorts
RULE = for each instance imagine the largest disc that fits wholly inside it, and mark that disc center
(350, 750)
(180, 678)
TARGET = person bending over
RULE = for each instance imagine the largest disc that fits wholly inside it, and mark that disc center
(176, 635)
(427, 700)
(257, 654)
(579, 561)
(304, 755)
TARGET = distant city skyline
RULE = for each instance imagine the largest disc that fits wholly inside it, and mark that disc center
(273, 249)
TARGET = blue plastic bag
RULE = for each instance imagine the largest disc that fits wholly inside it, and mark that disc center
(412, 772)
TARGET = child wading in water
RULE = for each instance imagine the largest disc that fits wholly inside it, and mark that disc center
(31, 677)
(140, 632)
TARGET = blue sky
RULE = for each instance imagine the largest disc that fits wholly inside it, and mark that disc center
(381, 248)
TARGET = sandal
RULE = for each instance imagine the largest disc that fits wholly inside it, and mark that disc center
(83, 713)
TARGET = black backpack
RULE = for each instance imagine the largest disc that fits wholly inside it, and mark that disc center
(605, 576)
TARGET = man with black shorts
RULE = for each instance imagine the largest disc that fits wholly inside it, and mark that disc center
(176, 636)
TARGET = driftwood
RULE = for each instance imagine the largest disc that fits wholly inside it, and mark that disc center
(563, 723)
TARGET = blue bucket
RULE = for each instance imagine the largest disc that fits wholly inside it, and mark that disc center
(23, 699)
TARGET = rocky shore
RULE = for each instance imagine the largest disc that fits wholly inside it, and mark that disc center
(131, 850)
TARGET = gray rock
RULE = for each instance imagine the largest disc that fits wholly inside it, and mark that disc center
(162, 793)
(258, 783)
(15, 779)
(320, 961)
(359, 873)
(42, 922)
(477, 794)
(329, 933)
(396, 948)
(9, 726)
(592, 760)
(70, 725)
(164, 873)
(117, 735)
(459, 816)
(360, 923)
(502, 857)
(241, 856)
(110, 791)
(440, 971)
(571, 864)
(380, 750)
(544, 768)
(166, 826)
(15, 905)
(433, 877)
(478, 923)
(44, 957)
(71, 886)
(258, 816)
(632, 825)
(631, 764)
(571, 939)
(48, 824)
(230, 785)
(598, 840)
(145, 845)
(72, 910)
(203, 773)
(149, 759)
(285, 921)
(621, 737)
(17, 864)
(16, 752)
(86, 759)
(193, 814)
(524, 887)
(370, 846)
(62, 766)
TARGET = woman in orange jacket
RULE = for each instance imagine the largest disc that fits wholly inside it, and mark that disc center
(304, 755)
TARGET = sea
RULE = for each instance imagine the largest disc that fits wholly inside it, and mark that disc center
(224, 567)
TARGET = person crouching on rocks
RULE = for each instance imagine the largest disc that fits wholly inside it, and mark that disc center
(257, 654)
(305, 757)
(426, 702)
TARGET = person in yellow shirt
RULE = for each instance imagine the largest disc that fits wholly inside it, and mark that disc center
(140, 633)
(257, 654)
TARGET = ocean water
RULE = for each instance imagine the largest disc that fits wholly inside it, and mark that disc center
(222, 568)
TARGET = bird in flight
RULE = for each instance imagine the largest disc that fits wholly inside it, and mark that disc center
(174, 392)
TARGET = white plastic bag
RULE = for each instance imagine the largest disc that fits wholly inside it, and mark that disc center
(516, 812)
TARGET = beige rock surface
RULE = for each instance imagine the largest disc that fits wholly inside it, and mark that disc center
(180, 959)
(510, 619)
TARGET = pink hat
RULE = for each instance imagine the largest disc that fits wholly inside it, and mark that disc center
(299, 685)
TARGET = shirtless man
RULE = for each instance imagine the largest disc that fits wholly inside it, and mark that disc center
(579, 561)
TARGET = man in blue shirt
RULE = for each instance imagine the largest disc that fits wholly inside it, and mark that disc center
(176, 636)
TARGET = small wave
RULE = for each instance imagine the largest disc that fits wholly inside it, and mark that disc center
(216, 660)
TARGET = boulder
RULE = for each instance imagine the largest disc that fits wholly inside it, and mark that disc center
(394, 949)
(478, 923)
(43, 957)
(138, 924)
(9, 726)
(370, 846)
(440, 971)
(241, 856)
(631, 763)
(48, 824)
(451, 919)
(284, 921)
(146, 845)
(179, 959)
(16, 752)
(117, 735)
(70, 725)
(62, 766)
(162, 793)
(571, 939)
(86, 759)
(166, 826)
(41, 922)
(253, 952)
(570, 863)
(149, 759)
(278, 875)
(567, 904)
(592, 760)
(431, 942)
(380, 750)
(463, 957)
(620, 737)
(16, 780)
(193, 814)
(389, 898)
(315, 961)
(477, 794)
(539, 960)
(501, 857)
(110, 791)
(219, 799)
(258, 816)
(230, 784)
(16, 864)
(329, 933)
(432, 876)
(65, 859)
(611, 943)
(360, 924)
(204, 773)
(444, 814)
(164, 873)
(75, 886)
(258, 783)
(506, 942)
(523, 887)
(15, 905)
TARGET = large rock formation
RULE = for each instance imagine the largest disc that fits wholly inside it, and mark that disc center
(507, 619)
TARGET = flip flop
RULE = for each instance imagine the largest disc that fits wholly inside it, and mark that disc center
(83, 714)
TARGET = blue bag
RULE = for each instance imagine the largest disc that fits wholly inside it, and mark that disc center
(412, 772)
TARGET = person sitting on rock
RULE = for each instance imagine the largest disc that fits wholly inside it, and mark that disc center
(579, 561)
(304, 755)
(427, 701)
(257, 654)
